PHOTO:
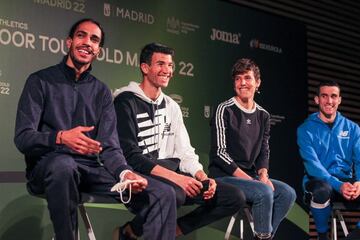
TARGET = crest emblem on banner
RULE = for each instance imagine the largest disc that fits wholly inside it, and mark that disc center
(107, 9)
(206, 111)
(173, 25)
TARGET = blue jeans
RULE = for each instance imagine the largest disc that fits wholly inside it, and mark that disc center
(269, 207)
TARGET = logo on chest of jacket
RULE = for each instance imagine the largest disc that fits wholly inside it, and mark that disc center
(344, 134)
(167, 130)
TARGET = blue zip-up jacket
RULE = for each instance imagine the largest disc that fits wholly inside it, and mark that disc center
(53, 100)
(330, 154)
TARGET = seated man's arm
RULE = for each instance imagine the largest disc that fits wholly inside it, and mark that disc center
(28, 138)
(111, 155)
(127, 131)
(190, 185)
(312, 164)
(76, 140)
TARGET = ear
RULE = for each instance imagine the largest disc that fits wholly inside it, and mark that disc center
(316, 99)
(68, 42)
(258, 82)
(144, 68)
(339, 100)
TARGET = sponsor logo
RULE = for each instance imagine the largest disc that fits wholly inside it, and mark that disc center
(255, 43)
(248, 121)
(107, 10)
(185, 112)
(207, 111)
(177, 98)
(13, 24)
(131, 15)
(167, 130)
(4, 88)
(228, 37)
(344, 134)
(73, 5)
(176, 26)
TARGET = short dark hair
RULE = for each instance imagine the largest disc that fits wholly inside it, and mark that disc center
(76, 25)
(328, 83)
(244, 65)
(148, 50)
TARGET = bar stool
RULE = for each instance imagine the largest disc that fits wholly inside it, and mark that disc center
(246, 211)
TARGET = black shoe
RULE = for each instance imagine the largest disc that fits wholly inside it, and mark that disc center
(354, 235)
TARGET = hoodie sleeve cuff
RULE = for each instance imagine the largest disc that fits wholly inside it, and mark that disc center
(335, 183)
(193, 171)
(52, 138)
(120, 171)
(230, 169)
(147, 167)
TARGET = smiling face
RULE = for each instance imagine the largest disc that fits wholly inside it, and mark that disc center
(160, 71)
(328, 100)
(84, 46)
(245, 86)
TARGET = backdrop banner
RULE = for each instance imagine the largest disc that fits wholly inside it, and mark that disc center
(208, 37)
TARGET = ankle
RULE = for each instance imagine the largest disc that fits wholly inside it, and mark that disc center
(128, 231)
(178, 231)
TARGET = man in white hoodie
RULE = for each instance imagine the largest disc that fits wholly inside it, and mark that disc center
(155, 143)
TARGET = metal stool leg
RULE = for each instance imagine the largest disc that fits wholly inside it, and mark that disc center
(333, 227)
(87, 222)
(230, 226)
(241, 229)
(342, 222)
(250, 218)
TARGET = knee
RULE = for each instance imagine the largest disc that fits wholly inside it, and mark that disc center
(292, 194)
(166, 193)
(288, 193)
(321, 195)
(265, 192)
(61, 168)
(320, 191)
(175, 195)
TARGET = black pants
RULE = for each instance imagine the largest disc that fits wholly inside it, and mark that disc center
(226, 201)
(61, 178)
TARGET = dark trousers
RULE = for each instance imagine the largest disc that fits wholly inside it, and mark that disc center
(226, 201)
(320, 192)
(61, 178)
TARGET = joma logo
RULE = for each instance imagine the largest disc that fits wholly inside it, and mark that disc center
(225, 36)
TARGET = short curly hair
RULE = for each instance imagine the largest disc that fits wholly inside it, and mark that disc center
(244, 65)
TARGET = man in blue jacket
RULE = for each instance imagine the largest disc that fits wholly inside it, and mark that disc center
(329, 145)
(66, 128)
